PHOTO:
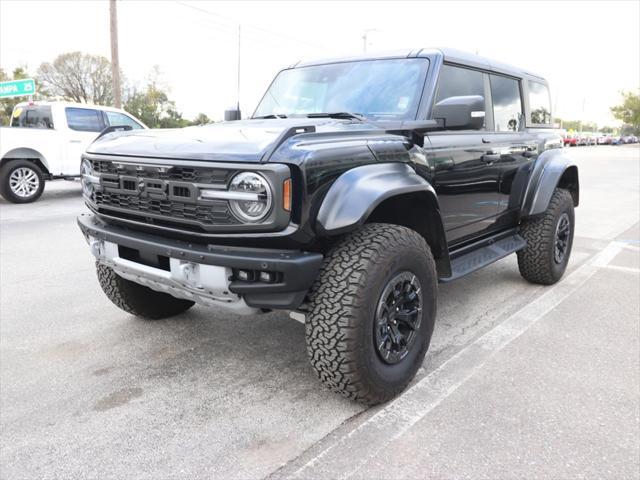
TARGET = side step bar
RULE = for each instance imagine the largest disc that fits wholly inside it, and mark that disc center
(476, 259)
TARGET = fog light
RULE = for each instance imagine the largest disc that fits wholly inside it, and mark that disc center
(267, 277)
(243, 275)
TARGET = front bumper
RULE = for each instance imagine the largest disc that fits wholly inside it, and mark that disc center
(203, 273)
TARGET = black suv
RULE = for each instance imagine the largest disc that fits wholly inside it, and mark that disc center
(357, 185)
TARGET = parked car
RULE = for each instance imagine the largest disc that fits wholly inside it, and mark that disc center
(347, 219)
(570, 141)
(45, 141)
(603, 140)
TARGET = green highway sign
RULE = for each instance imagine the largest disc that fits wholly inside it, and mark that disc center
(17, 88)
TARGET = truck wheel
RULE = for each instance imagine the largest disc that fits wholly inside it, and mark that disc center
(371, 312)
(21, 181)
(549, 239)
(137, 299)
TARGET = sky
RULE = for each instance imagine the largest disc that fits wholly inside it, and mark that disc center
(589, 51)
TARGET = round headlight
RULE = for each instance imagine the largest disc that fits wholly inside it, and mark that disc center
(86, 170)
(257, 200)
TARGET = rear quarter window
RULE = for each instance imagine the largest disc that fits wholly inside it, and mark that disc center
(32, 117)
(539, 103)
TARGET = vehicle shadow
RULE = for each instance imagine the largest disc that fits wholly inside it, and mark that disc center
(258, 357)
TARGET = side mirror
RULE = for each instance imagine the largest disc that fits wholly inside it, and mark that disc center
(232, 114)
(464, 112)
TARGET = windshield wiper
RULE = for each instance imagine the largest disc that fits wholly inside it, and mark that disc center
(346, 115)
(273, 115)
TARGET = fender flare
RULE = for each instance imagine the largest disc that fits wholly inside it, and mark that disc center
(355, 195)
(551, 169)
(357, 192)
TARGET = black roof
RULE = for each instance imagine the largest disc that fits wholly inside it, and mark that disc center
(448, 55)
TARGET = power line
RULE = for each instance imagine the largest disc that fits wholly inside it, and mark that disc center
(237, 22)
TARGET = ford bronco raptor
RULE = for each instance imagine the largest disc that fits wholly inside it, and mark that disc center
(357, 185)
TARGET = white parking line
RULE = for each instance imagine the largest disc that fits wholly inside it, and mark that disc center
(347, 454)
(623, 269)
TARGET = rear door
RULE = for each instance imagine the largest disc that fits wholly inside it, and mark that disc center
(512, 147)
(465, 179)
(84, 126)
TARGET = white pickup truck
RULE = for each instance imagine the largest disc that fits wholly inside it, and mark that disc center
(45, 141)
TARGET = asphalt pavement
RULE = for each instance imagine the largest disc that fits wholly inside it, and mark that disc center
(521, 381)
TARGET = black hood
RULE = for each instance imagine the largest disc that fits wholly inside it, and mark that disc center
(239, 141)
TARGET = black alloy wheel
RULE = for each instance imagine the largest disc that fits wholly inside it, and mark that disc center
(398, 317)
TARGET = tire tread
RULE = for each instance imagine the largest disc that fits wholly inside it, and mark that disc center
(137, 299)
(534, 261)
(337, 296)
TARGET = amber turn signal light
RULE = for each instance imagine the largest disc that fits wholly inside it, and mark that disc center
(286, 195)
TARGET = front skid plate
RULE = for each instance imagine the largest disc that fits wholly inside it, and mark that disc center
(204, 284)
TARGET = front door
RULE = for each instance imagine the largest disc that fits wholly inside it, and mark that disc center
(465, 175)
(466, 181)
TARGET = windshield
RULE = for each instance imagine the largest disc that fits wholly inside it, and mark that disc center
(379, 89)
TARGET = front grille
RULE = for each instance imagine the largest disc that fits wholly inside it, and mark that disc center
(183, 174)
(217, 213)
(124, 197)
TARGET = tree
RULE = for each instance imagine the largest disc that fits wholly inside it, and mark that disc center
(201, 119)
(7, 104)
(78, 77)
(629, 110)
(152, 105)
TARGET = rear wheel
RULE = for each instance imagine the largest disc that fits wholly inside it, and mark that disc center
(372, 312)
(549, 240)
(21, 181)
(137, 299)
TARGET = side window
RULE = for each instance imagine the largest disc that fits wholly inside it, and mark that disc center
(119, 119)
(507, 105)
(84, 119)
(32, 117)
(457, 82)
(539, 103)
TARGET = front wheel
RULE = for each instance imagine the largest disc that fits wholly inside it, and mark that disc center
(21, 181)
(549, 239)
(137, 299)
(372, 312)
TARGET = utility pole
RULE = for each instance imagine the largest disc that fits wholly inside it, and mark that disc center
(115, 62)
(365, 37)
(239, 51)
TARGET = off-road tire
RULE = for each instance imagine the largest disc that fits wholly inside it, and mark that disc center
(342, 305)
(5, 177)
(536, 262)
(137, 299)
